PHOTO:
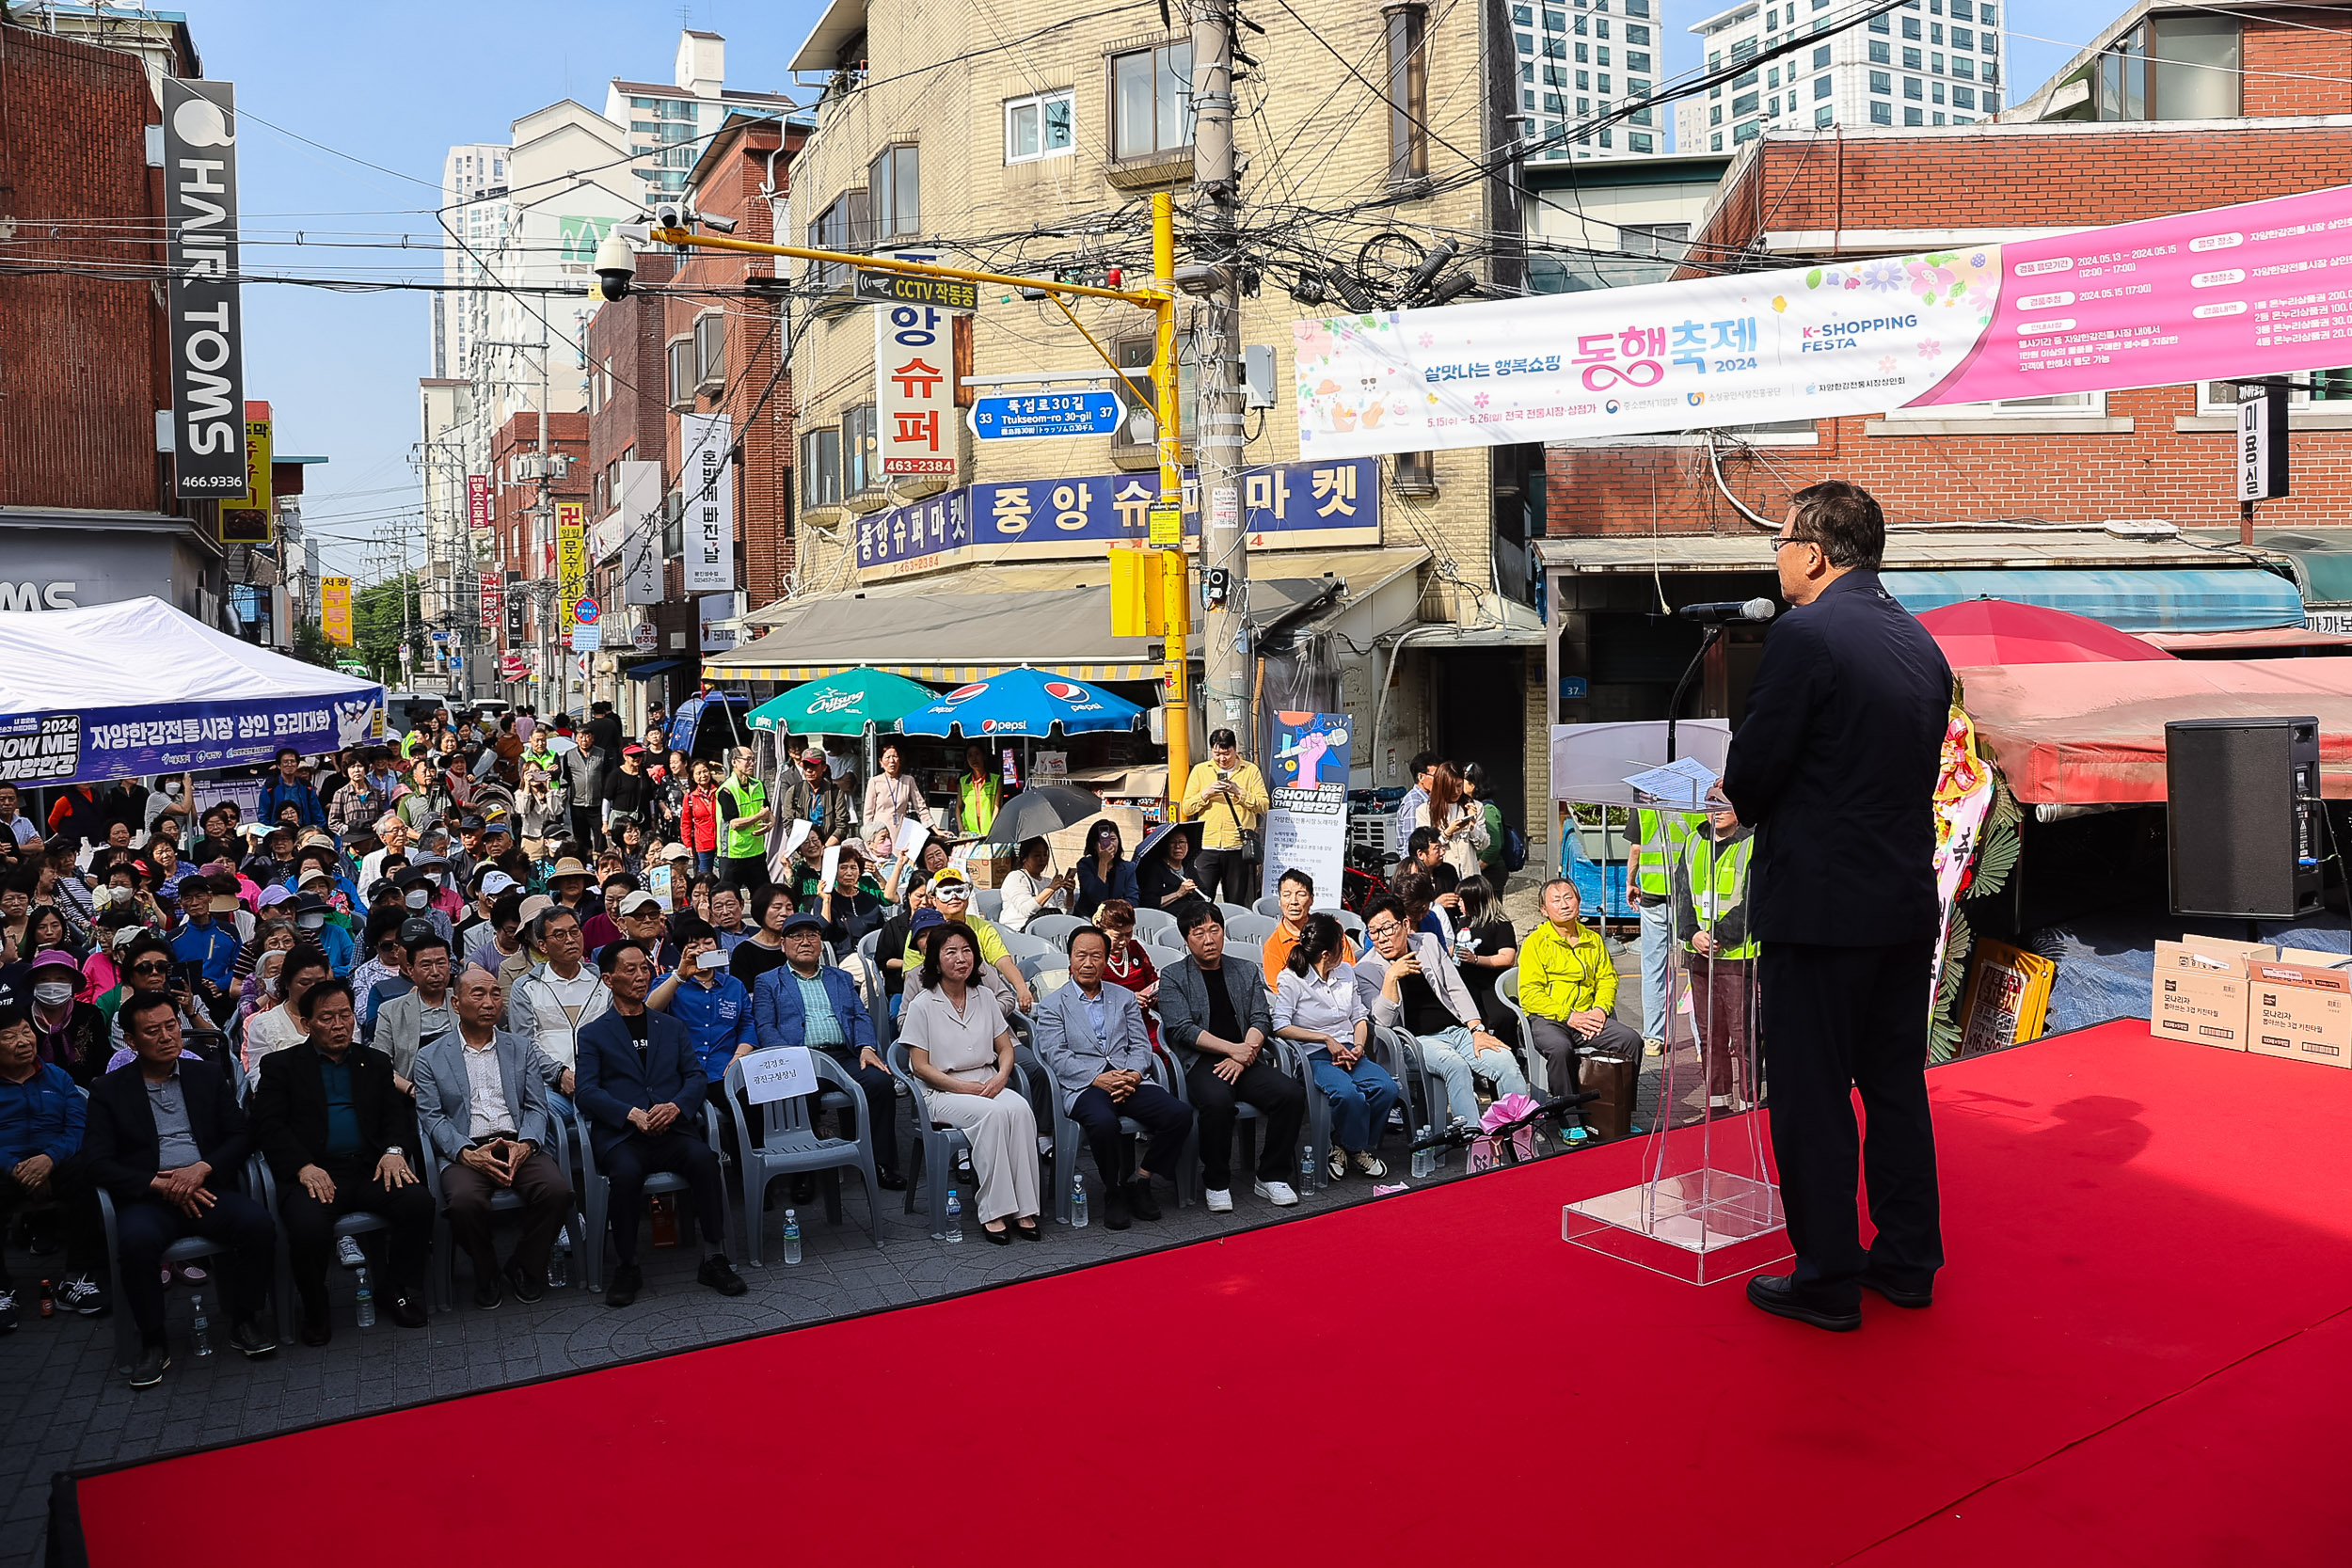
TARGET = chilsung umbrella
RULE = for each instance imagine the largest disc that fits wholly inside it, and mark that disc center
(1024, 702)
(843, 704)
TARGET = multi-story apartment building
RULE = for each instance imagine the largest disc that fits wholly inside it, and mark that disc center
(1578, 58)
(474, 204)
(1409, 576)
(1932, 62)
(669, 125)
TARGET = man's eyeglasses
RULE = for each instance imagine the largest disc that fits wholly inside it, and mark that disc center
(1382, 929)
(1784, 542)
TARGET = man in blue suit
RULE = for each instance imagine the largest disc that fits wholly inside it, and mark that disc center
(809, 1002)
(1834, 766)
(639, 1086)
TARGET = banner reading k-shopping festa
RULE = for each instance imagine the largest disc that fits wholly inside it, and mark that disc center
(2258, 289)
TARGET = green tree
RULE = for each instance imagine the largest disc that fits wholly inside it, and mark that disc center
(376, 619)
(312, 646)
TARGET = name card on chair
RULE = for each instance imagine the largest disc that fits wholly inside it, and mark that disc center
(779, 1072)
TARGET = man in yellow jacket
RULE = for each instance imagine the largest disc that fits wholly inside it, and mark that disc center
(1225, 794)
(1568, 988)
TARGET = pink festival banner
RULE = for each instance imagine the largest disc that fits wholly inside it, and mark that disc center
(2259, 289)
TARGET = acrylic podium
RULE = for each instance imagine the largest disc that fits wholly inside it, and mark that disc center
(1707, 1205)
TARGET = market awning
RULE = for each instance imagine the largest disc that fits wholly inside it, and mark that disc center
(966, 625)
(651, 668)
(1907, 548)
(2163, 599)
(2093, 733)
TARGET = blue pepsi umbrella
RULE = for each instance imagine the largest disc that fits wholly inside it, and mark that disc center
(1024, 702)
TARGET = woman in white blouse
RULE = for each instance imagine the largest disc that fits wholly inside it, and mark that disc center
(1316, 1006)
(1458, 821)
(1030, 892)
(961, 1054)
(276, 1028)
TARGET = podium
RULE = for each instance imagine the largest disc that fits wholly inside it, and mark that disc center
(1707, 1205)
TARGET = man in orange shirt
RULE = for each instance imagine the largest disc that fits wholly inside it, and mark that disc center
(1296, 892)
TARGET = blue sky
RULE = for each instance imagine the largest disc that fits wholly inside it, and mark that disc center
(396, 86)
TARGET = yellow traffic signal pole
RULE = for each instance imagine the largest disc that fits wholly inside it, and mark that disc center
(1160, 298)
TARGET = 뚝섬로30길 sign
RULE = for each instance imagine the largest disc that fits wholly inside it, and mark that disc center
(2258, 289)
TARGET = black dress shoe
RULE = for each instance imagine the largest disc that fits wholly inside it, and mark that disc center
(487, 1295)
(1777, 1294)
(251, 1339)
(523, 1287)
(1874, 1280)
(890, 1180)
(719, 1275)
(1140, 1199)
(628, 1279)
(408, 1311)
(997, 1238)
(153, 1362)
(1115, 1208)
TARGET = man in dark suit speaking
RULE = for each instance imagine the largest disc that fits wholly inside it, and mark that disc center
(1835, 766)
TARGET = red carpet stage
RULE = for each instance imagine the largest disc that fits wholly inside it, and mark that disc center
(2140, 1353)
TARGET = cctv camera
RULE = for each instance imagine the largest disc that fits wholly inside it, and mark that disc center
(616, 264)
(671, 214)
(1200, 278)
(716, 224)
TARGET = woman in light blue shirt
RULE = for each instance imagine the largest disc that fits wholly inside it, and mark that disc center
(1316, 1006)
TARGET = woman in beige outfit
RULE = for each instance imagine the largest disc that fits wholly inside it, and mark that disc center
(961, 1054)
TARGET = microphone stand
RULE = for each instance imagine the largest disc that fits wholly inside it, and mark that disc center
(1674, 707)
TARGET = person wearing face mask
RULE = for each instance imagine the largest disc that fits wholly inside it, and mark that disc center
(172, 790)
(333, 940)
(67, 1033)
(419, 885)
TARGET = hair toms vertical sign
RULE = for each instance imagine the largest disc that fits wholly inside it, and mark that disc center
(207, 327)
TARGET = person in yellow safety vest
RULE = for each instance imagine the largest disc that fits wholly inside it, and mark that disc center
(1719, 953)
(980, 793)
(1657, 850)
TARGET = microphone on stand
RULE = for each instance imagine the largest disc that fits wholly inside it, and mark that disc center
(1715, 614)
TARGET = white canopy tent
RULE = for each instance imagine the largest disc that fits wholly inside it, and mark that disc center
(136, 688)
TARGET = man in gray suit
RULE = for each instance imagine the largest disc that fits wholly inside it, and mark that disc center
(1214, 1006)
(1091, 1038)
(483, 1112)
(406, 1023)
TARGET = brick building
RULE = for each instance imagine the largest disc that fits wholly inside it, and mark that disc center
(87, 508)
(2039, 482)
(525, 533)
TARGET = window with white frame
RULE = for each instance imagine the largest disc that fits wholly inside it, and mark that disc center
(2087, 405)
(895, 186)
(1041, 126)
(2330, 389)
(861, 456)
(681, 372)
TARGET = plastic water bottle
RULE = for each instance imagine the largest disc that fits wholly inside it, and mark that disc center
(955, 1218)
(560, 1261)
(1306, 1167)
(1079, 1201)
(1424, 1160)
(367, 1299)
(791, 1237)
(203, 1329)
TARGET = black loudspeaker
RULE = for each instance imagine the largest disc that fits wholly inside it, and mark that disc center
(2244, 822)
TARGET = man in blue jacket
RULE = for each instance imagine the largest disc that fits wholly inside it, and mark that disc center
(639, 1086)
(290, 788)
(1835, 767)
(806, 1003)
(40, 1157)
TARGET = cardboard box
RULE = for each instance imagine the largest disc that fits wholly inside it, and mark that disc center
(2262, 950)
(2298, 1012)
(2199, 996)
(2310, 957)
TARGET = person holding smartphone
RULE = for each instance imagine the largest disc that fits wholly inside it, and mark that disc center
(1227, 797)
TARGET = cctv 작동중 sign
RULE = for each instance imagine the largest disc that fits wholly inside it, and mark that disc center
(201, 305)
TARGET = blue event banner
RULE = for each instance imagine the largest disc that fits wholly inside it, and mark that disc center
(125, 742)
(1327, 503)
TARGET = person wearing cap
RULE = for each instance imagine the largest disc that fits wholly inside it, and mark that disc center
(809, 1002)
(744, 816)
(203, 942)
(814, 797)
(568, 883)
(952, 892)
(489, 884)
(676, 863)
(561, 994)
(316, 920)
(629, 795)
(643, 921)
(713, 1004)
(42, 1162)
(67, 1033)
(497, 840)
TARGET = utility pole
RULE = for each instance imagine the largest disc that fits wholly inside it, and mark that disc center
(1226, 662)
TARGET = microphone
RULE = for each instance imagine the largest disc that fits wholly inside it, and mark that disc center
(1714, 615)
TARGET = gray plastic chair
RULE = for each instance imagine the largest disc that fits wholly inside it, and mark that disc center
(1163, 942)
(988, 902)
(595, 1193)
(1270, 905)
(1149, 922)
(1350, 922)
(872, 992)
(937, 1145)
(1235, 911)
(189, 1249)
(789, 1145)
(1188, 1180)
(1056, 929)
(1250, 931)
(444, 1276)
(1531, 1059)
(1021, 944)
(1386, 1052)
